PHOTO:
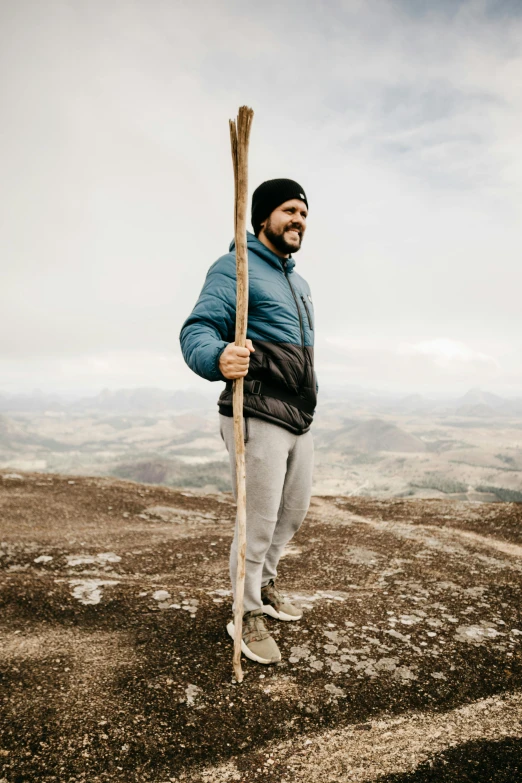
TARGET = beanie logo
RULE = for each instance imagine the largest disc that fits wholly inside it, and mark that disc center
(302, 195)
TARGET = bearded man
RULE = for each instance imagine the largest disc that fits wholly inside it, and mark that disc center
(280, 395)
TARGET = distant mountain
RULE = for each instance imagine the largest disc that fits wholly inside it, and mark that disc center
(374, 435)
(140, 400)
(475, 397)
(151, 400)
(485, 404)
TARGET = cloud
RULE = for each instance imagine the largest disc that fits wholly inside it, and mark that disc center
(442, 365)
(401, 119)
(445, 352)
(90, 373)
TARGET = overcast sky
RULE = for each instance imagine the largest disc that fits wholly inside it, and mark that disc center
(402, 119)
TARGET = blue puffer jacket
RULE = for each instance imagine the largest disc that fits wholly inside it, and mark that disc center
(280, 386)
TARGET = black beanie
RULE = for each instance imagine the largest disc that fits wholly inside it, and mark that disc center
(271, 194)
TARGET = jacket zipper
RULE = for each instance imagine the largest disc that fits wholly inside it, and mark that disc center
(301, 327)
(310, 324)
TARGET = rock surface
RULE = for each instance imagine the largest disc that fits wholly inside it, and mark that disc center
(115, 664)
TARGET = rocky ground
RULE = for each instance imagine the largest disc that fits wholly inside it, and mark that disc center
(115, 664)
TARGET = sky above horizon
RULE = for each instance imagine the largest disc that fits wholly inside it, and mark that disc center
(401, 119)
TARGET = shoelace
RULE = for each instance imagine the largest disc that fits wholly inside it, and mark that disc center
(254, 628)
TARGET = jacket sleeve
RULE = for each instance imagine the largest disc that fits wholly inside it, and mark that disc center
(211, 325)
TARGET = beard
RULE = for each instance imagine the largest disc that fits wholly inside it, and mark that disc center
(277, 238)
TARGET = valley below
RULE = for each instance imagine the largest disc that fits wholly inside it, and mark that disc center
(366, 445)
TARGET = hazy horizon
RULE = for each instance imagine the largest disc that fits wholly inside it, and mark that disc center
(211, 391)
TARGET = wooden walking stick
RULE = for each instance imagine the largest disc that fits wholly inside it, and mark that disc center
(239, 138)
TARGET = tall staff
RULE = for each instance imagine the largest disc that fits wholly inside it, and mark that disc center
(239, 138)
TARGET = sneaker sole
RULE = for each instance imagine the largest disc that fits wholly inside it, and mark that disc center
(246, 650)
(269, 609)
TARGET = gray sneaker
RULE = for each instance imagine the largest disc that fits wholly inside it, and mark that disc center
(257, 644)
(275, 605)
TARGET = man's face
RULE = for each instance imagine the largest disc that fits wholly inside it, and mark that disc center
(286, 225)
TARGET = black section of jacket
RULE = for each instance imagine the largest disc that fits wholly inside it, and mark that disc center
(286, 367)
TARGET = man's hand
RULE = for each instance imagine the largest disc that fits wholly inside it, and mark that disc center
(234, 360)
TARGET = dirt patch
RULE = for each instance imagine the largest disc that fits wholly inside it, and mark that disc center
(501, 521)
(116, 666)
(400, 750)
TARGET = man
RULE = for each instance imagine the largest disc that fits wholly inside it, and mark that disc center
(280, 394)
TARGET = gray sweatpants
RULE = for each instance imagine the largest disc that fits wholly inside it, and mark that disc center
(279, 469)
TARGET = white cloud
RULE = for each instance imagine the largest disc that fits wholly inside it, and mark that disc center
(445, 352)
(443, 365)
(90, 373)
(403, 125)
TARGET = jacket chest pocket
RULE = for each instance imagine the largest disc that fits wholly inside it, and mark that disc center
(308, 312)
